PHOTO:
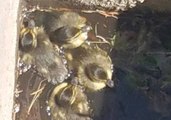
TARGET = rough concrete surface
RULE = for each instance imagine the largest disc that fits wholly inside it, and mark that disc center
(110, 4)
(8, 33)
(118, 5)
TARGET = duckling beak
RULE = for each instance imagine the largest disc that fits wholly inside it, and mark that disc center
(86, 28)
(31, 24)
(110, 83)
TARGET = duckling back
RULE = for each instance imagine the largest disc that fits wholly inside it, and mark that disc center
(47, 60)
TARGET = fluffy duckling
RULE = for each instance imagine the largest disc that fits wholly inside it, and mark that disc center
(40, 52)
(69, 37)
(66, 29)
(68, 102)
(91, 65)
(53, 20)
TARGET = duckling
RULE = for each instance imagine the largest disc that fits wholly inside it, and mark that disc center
(68, 102)
(73, 28)
(69, 37)
(92, 66)
(53, 20)
(42, 54)
(67, 29)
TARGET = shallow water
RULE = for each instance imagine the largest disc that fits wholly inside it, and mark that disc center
(141, 59)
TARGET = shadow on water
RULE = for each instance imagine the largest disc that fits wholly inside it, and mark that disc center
(143, 79)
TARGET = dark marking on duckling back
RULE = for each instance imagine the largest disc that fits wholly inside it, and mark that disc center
(64, 97)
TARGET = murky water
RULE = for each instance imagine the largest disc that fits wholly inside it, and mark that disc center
(141, 54)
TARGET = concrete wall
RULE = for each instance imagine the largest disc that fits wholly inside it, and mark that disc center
(8, 35)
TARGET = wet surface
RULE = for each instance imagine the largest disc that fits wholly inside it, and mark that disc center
(119, 5)
(142, 62)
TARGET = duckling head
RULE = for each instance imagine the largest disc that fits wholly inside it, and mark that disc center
(66, 96)
(69, 37)
(95, 77)
(98, 76)
(92, 65)
(28, 40)
(68, 99)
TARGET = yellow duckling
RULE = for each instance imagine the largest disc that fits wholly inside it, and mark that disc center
(69, 37)
(42, 54)
(53, 20)
(66, 29)
(92, 66)
(68, 102)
